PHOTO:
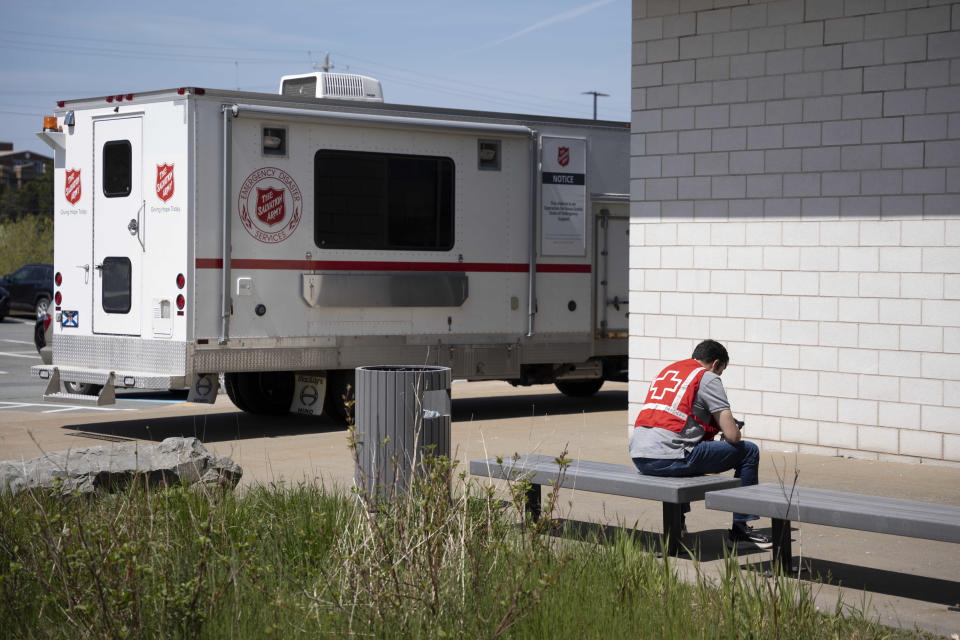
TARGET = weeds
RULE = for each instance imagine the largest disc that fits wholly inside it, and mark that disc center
(424, 562)
(306, 562)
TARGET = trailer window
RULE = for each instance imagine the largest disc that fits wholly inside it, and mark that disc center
(383, 201)
(116, 285)
(117, 168)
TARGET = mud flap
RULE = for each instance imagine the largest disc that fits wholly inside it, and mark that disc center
(204, 388)
(308, 393)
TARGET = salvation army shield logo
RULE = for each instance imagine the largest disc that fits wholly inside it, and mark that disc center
(563, 156)
(270, 205)
(164, 181)
(71, 187)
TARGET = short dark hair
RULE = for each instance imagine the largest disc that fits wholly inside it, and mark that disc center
(710, 350)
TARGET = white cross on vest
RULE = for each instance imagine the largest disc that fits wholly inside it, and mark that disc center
(661, 386)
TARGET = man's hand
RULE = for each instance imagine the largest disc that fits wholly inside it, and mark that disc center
(728, 426)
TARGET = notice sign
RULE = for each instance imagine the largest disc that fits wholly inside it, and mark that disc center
(563, 196)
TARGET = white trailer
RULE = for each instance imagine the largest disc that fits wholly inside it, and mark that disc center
(282, 241)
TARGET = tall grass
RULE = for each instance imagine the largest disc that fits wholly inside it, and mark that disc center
(302, 561)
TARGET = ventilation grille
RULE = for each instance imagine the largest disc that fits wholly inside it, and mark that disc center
(341, 84)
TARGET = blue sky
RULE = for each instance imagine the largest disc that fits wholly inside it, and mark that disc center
(528, 57)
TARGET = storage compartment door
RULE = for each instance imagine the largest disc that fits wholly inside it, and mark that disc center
(119, 234)
(612, 255)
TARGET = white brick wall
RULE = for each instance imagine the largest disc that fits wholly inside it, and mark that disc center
(796, 171)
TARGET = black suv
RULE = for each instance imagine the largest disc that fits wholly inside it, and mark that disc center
(30, 287)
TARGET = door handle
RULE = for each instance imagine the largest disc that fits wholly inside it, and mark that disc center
(616, 302)
(134, 226)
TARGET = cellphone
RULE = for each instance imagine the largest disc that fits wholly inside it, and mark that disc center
(740, 423)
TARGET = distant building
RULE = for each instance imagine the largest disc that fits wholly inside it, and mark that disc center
(17, 167)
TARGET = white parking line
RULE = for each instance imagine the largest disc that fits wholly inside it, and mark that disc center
(16, 341)
(19, 321)
(20, 405)
(24, 354)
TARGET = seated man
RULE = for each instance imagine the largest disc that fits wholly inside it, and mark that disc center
(685, 408)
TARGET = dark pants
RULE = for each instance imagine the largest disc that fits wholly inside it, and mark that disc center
(709, 456)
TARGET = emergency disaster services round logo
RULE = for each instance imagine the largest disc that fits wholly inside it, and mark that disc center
(270, 205)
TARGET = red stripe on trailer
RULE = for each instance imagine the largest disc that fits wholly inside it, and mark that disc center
(357, 265)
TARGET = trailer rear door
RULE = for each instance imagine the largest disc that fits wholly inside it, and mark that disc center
(119, 218)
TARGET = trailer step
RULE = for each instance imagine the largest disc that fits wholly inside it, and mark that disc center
(72, 398)
(53, 393)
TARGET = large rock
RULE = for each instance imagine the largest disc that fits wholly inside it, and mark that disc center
(173, 461)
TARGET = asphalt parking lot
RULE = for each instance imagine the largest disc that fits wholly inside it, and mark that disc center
(18, 391)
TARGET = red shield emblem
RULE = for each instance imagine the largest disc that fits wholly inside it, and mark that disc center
(270, 207)
(563, 156)
(71, 187)
(164, 181)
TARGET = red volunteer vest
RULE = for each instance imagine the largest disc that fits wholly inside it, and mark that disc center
(669, 401)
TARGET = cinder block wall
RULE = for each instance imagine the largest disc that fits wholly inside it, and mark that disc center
(795, 194)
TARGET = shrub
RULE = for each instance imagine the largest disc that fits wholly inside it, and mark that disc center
(25, 240)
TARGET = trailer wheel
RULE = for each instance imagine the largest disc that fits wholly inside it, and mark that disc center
(231, 383)
(579, 388)
(266, 393)
(338, 402)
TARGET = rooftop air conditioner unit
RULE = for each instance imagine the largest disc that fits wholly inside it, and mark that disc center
(341, 86)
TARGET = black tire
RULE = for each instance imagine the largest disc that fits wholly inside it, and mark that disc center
(266, 393)
(338, 401)
(231, 383)
(41, 306)
(579, 388)
(84, 388)
(39, 337)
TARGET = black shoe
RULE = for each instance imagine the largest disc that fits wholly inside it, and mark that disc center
(745, 538)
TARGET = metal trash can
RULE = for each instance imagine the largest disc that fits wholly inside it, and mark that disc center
(400, 412)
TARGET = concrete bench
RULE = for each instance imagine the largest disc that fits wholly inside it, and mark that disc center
(783, 504)
(612, 479)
